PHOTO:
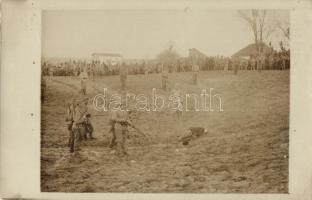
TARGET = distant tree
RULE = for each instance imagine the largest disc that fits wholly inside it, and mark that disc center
(285, 30)
(264, 23)
(282, 46)
(169, 55)
(283, 26)
(256, 19)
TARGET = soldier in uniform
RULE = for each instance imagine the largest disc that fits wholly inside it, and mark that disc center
(123, 75)
(121, 121)
(83, 82)
(87, 120)
(50, 72)
(271, 61)
(252, 63)
(112, 124)
(146, 69)
(283, 61)
(241, 64)
(260, 62)
(195, 70)
(179, 104)
(226, 64)
(164, 77)
(81, 124)
(70, 110)
(43, 88)
(75, 127)
(236, 65)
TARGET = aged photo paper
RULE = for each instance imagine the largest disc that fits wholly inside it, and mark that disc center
(142, 99)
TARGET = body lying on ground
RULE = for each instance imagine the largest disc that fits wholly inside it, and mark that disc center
(193, 133)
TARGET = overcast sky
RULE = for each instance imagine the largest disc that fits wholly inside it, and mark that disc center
(142, 33)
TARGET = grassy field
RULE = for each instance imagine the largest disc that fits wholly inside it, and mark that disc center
(245, 150)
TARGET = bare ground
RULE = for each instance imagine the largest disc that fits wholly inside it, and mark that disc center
(245, 151)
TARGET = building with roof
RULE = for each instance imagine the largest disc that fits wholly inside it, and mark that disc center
(251, 50)
(197, 57)
(107, 58)
(196, 54)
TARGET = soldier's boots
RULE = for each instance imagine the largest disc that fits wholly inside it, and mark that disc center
(74, 140)
(90, 131)
(113, 142)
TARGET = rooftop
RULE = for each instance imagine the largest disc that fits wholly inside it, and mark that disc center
(107, 54)
(251, 50)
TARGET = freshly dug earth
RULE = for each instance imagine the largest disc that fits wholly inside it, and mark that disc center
(245, 150)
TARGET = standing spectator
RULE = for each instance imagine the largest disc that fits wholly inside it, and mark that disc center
(270, 61)
(123, 75)
(261, 61)
(283, 60)
(164, 77)
(51, 71)
(195, 70)
(84, 77)
(252, 63)
(236, 65)
(226, 64)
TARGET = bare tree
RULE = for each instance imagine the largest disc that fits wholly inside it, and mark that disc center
(264, 23)
(283, 26)
(256, 19)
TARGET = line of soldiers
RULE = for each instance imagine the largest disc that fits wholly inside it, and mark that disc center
(274, 61)
(94, 68)
(262, 62)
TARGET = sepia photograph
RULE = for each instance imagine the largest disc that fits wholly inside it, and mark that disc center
(165, 101)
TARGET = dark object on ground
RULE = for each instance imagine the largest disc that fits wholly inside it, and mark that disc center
(193, 133)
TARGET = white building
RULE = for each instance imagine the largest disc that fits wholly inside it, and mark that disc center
(107, 58)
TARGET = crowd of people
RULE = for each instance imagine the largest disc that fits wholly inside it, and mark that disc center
(275, 61)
